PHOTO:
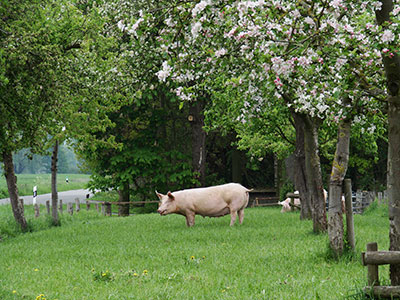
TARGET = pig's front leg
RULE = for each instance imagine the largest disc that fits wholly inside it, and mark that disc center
(190, 219)
(233, 217)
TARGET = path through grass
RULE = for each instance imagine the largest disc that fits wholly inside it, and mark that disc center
(271, 256)
(26, 182)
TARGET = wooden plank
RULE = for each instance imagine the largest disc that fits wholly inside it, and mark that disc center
(133, 202)
(373, 275)
(381, 257)
(383, 291)
(267, 198)
(266, 204)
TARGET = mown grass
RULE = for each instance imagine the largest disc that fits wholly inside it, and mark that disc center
(26, 182)
(270, 256)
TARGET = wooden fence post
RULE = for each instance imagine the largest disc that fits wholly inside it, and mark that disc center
(97, 207)
(379, 197)
(70, 208)
(60, 207)
(349, 214)
(108, 208)
(373, 275)
(103, 208)
(77, 205)
(48, 206)
(36, 208)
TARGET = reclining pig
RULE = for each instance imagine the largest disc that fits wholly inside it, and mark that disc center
(214, 201)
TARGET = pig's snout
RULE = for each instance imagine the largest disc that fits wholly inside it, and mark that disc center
(161, 211)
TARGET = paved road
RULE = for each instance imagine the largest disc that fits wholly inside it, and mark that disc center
(68, 196)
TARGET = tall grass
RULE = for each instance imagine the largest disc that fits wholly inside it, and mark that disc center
(26, 182)
(270, 256)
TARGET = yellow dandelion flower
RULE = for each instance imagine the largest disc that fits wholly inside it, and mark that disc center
(192, 257)
(135, 274)
(14, 291)
(145, 272)
(103, 274)
(36, 271)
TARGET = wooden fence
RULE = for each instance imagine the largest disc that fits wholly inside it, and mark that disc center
(362, 200)
(104, 207)
(373, 259)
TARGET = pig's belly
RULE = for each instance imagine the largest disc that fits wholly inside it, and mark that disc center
(217, 212)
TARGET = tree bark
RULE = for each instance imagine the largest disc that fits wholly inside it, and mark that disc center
(339, 169)
(392, 71)
(300, 177)
(196, 119)
(313, 175)
(124, 196)
(54, 193)
(16, 205)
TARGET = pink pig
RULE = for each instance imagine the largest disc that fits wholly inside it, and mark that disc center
(286, 206)
(214, 201)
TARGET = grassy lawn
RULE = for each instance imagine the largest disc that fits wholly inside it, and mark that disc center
(26, 182)
(271, 256)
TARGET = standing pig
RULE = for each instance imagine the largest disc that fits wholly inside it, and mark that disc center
(214, 201)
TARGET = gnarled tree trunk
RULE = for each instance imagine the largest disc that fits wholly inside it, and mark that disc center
(339, 169)
(54, 193)
(300, 177)
(392, 71)
(16, 205)
(123, 192)
(313, 175)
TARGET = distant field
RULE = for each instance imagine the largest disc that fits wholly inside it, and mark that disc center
(271, 256)
(26, 182)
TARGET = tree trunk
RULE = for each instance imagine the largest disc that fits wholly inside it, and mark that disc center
(54, 193)
(196, 119)
(300, 178)
(392, 71)
(314, 176)
(339, 169)
(16, 205)
(123, 192)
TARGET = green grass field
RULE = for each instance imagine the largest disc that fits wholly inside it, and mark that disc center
(270, 256)
(26, 182)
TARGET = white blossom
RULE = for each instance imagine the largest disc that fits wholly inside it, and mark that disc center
(165, 72)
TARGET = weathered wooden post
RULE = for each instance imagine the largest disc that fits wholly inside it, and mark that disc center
(97, 207)
(103, 208)
(379, 198)
(77, 205)
(70, 208)
(48, 206)
(349, 214)
(108, 208)
(87, 205)
(36, 208)
(373, 274)
(60, 208)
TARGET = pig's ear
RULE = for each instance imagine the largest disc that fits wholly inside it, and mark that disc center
(170, 196)
(159, 195)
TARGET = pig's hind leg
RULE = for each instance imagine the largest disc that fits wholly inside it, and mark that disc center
(241, 215)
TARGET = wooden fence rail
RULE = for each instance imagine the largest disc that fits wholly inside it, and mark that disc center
(373, 258)
(106, 207)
